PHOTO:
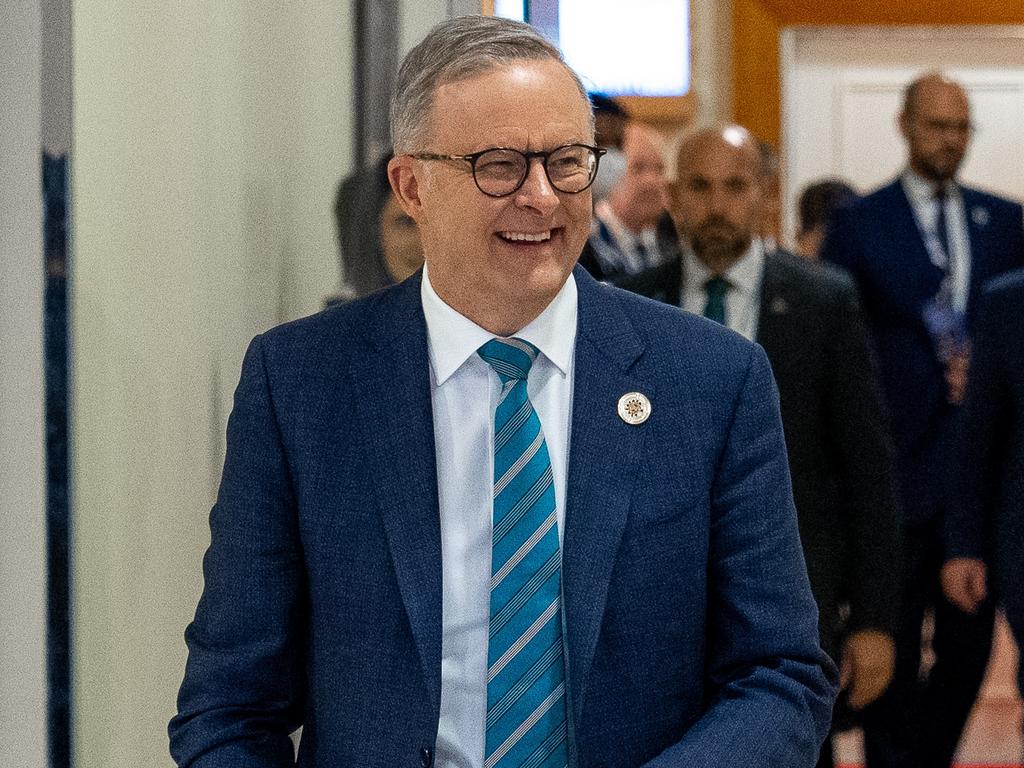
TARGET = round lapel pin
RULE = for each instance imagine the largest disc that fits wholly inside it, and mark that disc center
(634, 408)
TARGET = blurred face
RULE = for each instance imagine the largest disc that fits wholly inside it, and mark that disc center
(400, 241)
(639, 198)
(716, 202)
(937, 129)
(808, 243)
(498, 261)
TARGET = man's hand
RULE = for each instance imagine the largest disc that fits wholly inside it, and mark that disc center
(965, 582)
(957, 368)
(866, 666)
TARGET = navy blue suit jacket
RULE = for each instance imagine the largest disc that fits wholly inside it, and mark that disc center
(987, 519)
(877, 240)
(691, 632)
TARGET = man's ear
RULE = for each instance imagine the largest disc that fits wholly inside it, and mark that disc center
(406, 185)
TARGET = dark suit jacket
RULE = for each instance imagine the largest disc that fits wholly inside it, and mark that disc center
(690, 627)
(668, 245)
(987, 519)
(878, 242)
(840, 450)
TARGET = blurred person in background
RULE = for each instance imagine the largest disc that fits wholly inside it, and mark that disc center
(631, 231)
(809, 321)
(379, 244)
(771, 211)
(610, 120)
(984, 525)
(815, 207)
(920, 249)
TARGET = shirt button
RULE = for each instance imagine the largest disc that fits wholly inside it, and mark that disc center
(426, 758)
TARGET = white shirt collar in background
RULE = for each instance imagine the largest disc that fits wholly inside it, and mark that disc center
(742, 300)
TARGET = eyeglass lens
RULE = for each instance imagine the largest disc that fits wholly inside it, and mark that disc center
(501, 171)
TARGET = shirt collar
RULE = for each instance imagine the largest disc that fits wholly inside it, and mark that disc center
(744, 275)
(920, 191)
(452, 338)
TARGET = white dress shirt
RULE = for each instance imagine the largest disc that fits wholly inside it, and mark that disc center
(464, 392)
(921, 194)
(742, 299)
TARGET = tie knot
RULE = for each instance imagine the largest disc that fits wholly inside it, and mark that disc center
(510, 358)
(716, 287)
(940, 193)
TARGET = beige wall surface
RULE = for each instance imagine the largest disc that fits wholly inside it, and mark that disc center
(22, 510)
(710, 51)
(208, 138)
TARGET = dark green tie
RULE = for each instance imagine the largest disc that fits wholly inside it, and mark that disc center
(715, 290)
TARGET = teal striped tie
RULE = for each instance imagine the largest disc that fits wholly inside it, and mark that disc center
(526, 712)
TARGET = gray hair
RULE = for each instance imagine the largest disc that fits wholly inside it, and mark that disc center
(456, 50)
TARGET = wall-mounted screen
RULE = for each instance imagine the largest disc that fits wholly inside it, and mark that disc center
(636, 48)
(510, 9)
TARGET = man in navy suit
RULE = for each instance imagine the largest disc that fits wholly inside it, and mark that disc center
(654, 607)
(985, 524)
(920, 249)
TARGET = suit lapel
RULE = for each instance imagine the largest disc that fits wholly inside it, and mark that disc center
(910, 239)
(604, 458)
(978, 218)
(774, 307)
(394, 382)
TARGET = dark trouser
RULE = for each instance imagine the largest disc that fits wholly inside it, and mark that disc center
(917, 723)
(1013, 606)
(825, 758)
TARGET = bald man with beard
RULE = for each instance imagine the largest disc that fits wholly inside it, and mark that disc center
(809, 321)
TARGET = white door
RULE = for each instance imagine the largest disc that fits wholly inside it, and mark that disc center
(842, 89)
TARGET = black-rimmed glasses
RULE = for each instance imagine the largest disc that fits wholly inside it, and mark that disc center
(500, 171)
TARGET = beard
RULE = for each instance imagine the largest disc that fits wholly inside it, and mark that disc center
(942, 165)
(716, 240)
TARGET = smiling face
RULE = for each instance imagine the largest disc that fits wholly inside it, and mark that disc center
(498, 261)
(718, 197)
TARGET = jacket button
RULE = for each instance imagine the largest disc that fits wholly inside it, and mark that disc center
(426, 757)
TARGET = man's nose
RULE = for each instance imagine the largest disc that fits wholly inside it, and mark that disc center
(536, 191)
(717, 200)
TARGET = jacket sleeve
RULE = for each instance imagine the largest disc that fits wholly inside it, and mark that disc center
(770, 686)
(244, 685)
(861, 437)
(967, 521)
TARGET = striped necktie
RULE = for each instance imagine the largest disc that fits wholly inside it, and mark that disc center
(526, 712)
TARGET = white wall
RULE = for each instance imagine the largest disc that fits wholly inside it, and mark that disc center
(417, 18)
(22, 505)
(842, 90)
(208, 138)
